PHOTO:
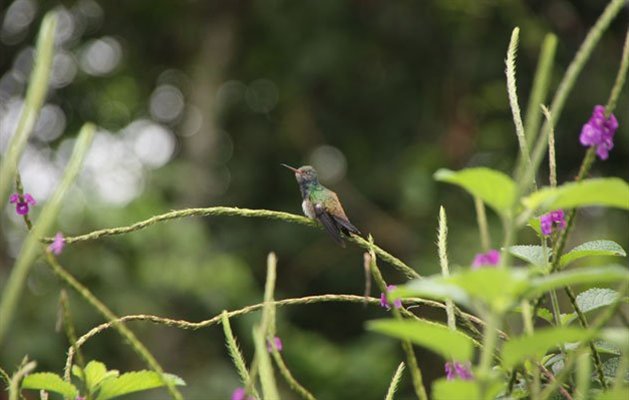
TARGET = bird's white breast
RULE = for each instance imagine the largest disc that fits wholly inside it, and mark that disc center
(308, 210)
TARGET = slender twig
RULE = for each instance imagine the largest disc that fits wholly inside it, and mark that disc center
(288, 376)
(481, 220)
(442, 244)
(620, 79)
(109, 315)
(394, 382)
(416, 374)
(239, 212)
(14, 383)
(513, 100)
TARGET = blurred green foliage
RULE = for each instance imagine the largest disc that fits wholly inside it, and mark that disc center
(377, 95)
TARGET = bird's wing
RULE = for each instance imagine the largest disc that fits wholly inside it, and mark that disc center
(328, 222)
(341, 218)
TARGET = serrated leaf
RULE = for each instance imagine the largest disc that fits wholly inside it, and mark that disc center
(439, 338)
(49, 382)
(531, 254)
(590, 300)
(495, 188)
(594, 248)
(588, 275)
(134, 382)
(95, 372)
(606, 192)
(536, 345)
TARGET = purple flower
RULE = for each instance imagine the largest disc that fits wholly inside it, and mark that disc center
(241, 394)
(57, 245)
(277, 343)
(384, 303)
(554, 219)
(491, 258)
(22, 202)
(456, 369)
(599, 131)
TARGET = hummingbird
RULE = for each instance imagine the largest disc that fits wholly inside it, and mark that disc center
(322, 204)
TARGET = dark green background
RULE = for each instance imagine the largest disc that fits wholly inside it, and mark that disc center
(401, 88)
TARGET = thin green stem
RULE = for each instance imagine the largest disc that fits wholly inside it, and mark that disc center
(394, 382)
(289, 378)
(35, 95)
(416, 374)
(182, 324)
(31, 248)
(540, 88)
(481, 219)
(567, 83)
(620, 79)
(525, 157)
(584, 372)
(110, 316)
(236, 355)
(489, 346)
(14, 384)
(442, 243)
(236, 212)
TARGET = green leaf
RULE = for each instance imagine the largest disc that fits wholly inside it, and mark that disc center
(497, 287)
(536, 345)
(444, 389)
(439, 338)
(589, 275)
(594, 248)
(531, 254)
(615, 394)
(51, 383)
(590, 300)
(493, 187)
(616, 336)
(96, 373)
(607, 192)
(610, 367)
(134, 382)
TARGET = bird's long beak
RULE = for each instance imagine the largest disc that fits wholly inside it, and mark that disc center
(295, 170)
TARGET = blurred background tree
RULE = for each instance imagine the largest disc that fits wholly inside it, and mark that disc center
(199, 101)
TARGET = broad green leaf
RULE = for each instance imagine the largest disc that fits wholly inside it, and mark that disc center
(496, 287)
(134, 382)
(439, 338)
(535, 224)
(615, 394)
(493, 187)
(607, 192)
(49, 382)
(594, 248)
(536, 345)
(588, 275)
(616, 336)
(458, 389)
(590, 300)
(531, 254)
(433, 287)
(444, 389)
(95, 373)
(601, 346)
